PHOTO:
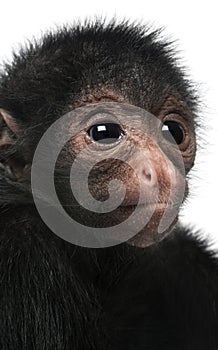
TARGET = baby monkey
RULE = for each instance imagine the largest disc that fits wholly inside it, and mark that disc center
(102, 112)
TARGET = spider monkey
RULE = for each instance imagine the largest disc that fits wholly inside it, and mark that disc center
(154, 290)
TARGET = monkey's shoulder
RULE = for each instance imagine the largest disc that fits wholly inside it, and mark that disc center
(169, 298)
(187, 248)
(183, 256)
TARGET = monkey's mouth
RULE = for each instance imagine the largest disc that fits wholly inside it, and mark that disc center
(152, 212)
(151, 207)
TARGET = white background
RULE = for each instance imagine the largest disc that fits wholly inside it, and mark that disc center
(193, 23)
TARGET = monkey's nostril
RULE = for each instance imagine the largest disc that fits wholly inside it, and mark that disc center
(146, 175)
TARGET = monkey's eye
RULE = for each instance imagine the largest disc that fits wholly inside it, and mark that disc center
(105, 133)
(173, 129)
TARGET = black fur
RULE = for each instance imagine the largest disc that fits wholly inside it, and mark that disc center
(56, 296)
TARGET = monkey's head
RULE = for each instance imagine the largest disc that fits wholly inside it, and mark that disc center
(119, 108)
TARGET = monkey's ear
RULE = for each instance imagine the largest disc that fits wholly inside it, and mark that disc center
(9, 129)
(11, 159)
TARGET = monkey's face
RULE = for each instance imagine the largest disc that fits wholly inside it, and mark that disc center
(117, 170)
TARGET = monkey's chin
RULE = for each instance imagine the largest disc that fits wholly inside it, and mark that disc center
(149, 234)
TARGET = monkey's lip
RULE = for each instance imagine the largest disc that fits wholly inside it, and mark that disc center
(144, 204)
(150, 207)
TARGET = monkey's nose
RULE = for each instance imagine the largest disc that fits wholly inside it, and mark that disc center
(147, 174)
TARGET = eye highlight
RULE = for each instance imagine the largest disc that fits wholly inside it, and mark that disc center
(105, 133)
(173, 129)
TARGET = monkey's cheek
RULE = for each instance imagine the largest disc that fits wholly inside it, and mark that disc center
(151, 234)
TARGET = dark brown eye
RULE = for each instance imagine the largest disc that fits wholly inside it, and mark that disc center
(105, 133)
(173, 129)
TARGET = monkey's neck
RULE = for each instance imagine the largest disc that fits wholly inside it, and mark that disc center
(26, 235)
